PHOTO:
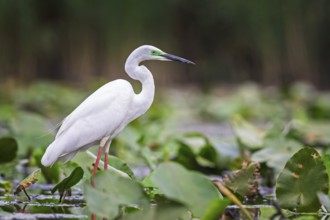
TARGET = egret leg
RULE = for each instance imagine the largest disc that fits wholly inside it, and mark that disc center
(106, 154)
(98, 158)
(96, 164)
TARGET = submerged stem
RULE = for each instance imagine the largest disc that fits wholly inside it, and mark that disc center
(27, 195)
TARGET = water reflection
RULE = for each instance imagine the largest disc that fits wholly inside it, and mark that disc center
(42, 207)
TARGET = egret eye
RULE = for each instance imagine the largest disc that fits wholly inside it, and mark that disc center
(155, 53)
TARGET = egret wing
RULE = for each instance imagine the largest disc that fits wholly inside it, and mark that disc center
(101, 114)
(97, 102)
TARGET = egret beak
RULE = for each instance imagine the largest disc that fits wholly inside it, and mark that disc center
(176, 58)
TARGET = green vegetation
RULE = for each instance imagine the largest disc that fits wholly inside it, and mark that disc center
(296, 185)
(66, 184)
(177, 153)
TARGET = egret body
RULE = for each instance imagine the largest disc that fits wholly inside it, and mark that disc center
(106, 112)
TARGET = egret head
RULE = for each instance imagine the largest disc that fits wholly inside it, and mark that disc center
(148, 52)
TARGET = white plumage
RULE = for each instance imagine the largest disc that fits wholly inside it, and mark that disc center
(90, 121)
(106, 112)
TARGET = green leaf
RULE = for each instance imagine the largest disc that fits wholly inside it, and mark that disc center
(195, 152)
(197, 141)
(5, 186)
(120, 165)
(8, 149)
(247, 134)
(86, 161)
(30, 131)
(245, 180)
(186, 157)
(193, 189)
(326, 162)
(279, 149)
(215, 209)
(28, 181)
(163, 211)
(113, 192)
(200, 146)
(51, 174)
(76, 175)
(303, 176)
(269, 212)
(315, 133)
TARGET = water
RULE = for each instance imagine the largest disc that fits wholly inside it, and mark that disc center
(43, 206)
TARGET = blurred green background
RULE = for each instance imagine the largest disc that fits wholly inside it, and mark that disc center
(269, 42)
(207, 117)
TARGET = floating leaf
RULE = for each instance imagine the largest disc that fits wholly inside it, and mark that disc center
(87, 159)
(111, 193)
(193, 189)
(245, 180)
(5, 187)
(196, 152)
(314, 133)
(197, 141)
(163, 211)
(8, 149)
(186, 157)
(303, 176)
(200, 146)
(28, 181)
(120, 165)
(326, 162)
(270, 212)
(247, 134)
(66, 184)
(215, 209)
(279, 149)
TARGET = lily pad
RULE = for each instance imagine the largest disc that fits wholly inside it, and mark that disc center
(8, 149)
(245, 180)
(247, 134)
(195, 151)
(163, 211)
(278, 150)
(303, 176)
(112, 192)
(326, 161)
(5, 186)
(120, 165)
(87, 159)
(216, 208)
(193, 189)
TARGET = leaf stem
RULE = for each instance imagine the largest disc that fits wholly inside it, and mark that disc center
(27, 195)
(119, 172)
(233, 198)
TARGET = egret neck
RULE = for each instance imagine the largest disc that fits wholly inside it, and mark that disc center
(141, 73)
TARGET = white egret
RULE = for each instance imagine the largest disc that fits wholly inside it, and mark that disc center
(106, 112)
